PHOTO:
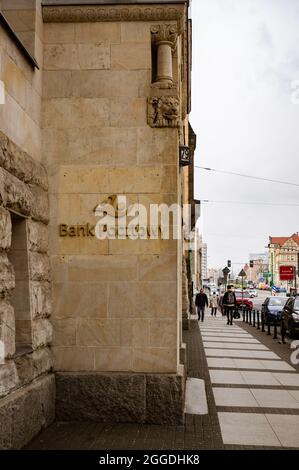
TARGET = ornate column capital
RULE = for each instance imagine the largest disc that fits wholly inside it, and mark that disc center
(165, 33)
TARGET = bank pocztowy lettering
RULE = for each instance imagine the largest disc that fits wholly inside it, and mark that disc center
(165, 221)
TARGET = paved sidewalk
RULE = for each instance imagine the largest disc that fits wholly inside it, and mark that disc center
(199, 432)
(252, 393)
(255, 387)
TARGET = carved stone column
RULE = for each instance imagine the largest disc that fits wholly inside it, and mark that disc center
(165, 39)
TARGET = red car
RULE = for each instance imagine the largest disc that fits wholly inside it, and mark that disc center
(245, 301)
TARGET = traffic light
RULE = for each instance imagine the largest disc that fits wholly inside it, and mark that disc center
(229, 263)
(251, 263)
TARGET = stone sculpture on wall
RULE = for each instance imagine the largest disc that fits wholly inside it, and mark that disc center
(163, 111)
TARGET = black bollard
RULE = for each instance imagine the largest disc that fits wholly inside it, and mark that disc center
(263, 323)
(254, 318)
(249, 317)
(269, 328)
(258, 319)
(246, 313)
(275, 331)
(243, 314)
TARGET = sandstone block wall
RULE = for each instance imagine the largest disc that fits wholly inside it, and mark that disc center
(115, 301)
(20, 117)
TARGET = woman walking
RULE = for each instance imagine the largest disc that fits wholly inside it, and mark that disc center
(214, 302)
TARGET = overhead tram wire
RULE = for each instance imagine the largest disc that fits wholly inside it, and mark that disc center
(252, 203)
(247, 176)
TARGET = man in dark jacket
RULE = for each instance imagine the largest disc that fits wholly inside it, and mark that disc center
(201, 301)
(229, 303)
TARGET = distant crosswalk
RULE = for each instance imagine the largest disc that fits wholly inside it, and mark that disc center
(256, 393)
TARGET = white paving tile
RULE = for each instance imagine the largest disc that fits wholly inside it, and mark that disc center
(261, 364)
(227, 335)
(221, 362)
(295, 394)
(231, 340)
(287, 379)
(202, 328)
(234, 397)
(277, 365)
(196, 399)
(220, 330)
(274, 398)
(286, 428)
(240, 353)
(245, 346)
(249, 429)
(226, 377)
(259, 378)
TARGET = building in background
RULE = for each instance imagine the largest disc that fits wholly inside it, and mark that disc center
(204, 262)
(97, 97)
(214, 274)
(197, 262)
(259, 271)
(283, 251)
(259, 257)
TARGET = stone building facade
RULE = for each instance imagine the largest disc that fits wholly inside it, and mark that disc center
(97, 97)
(27, 384)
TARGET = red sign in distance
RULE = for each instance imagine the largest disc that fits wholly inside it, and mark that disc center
(286, 273)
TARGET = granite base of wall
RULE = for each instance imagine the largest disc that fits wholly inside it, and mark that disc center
(120, 398)
(26, 411)
(186, 323)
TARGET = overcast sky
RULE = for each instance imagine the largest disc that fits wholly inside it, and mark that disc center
(245, 58)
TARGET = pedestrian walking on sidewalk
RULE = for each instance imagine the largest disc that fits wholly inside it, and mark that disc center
(214, 302)
(201, 301)
(229, 303)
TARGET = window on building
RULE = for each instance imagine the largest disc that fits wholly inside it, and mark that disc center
(18, 256)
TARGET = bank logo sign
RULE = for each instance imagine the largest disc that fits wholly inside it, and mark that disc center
(115, 219)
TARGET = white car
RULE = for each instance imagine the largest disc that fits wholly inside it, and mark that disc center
(252, 293)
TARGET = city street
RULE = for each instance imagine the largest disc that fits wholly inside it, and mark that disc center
(262, 295)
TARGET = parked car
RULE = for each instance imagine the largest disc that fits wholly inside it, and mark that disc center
(272, 309)
(290, 317)
(245, 301)
(282, 289)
